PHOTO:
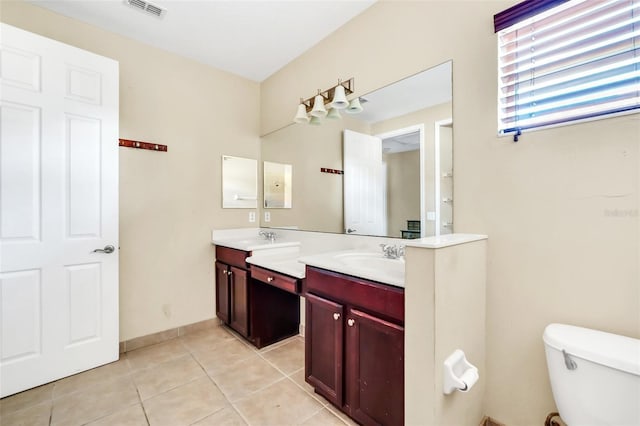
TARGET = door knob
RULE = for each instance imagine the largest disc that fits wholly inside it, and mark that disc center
(107, 249)
(349, 230)
(336, 316)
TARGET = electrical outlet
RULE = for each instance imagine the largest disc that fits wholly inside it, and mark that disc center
(431, 215)
(267, 216)
(252, 216)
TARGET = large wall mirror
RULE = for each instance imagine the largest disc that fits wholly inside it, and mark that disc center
(397, 158)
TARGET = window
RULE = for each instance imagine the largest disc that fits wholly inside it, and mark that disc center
(567, 61)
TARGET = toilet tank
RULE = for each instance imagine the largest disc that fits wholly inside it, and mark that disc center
(604, 386)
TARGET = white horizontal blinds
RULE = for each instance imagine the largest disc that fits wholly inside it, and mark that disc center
(576, 61)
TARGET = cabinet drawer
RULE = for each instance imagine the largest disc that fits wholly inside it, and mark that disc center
(232, 256)
(284, 282)
(385, 300)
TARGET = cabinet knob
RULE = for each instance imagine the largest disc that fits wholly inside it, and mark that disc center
(336, 316)
(229, 272)
(351, 321)
(269, 279)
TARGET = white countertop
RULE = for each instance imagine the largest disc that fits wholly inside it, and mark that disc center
(442, 241)
(333, 252)
(390, 271)
(249, 240)
(284, 261)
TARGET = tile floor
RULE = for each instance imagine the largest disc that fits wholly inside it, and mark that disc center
(211, 377)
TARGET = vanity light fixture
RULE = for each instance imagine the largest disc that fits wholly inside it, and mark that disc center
(334, 114)
(314, 109)
(318, 107)
(354, 106)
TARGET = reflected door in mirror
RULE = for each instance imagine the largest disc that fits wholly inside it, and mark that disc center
(364, 207)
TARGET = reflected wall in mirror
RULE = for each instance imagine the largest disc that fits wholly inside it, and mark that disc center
(405, 117)
(277, 185)
(239, 183)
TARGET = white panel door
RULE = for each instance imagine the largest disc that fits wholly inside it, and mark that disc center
(364, 207)
(58, 203)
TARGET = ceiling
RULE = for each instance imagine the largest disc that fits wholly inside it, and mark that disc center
(252, 39)
(401, 143)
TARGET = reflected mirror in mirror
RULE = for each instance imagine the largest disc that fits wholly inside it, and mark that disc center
(277, 185)
(239, 183)
(406, 131)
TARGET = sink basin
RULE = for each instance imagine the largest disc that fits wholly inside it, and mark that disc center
(364, 264)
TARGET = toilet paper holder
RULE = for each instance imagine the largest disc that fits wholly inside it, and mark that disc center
(459, 374)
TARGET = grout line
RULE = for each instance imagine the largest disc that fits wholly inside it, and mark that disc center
(251, 393)
(146, 368)
(240, 414)
(208, 415)
(173, 388)
(82, 388)
(314, 413)
(312, 395)
(144, 409)
(332, 410)
(231, 404)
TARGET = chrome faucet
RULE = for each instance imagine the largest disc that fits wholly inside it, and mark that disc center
(392, 251)
(268, 235)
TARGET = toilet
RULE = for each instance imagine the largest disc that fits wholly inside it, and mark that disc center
(595, 376)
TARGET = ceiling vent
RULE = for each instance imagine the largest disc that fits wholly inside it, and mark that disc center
(147, 7)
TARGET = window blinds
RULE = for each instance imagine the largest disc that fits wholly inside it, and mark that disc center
(573, 62)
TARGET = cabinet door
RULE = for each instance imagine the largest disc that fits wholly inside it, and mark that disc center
(323, 347)
(374, 369)
(222, 292)
(239, 309)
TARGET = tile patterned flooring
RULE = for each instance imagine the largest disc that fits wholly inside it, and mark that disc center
(211, 377)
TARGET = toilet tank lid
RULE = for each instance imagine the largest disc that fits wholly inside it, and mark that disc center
(612, 350)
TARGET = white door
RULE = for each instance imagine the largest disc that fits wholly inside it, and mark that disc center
(364, 207)
(58, 202)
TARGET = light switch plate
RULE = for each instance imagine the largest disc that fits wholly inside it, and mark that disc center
(431, 215)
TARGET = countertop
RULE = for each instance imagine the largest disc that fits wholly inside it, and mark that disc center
(391, 272)
(283, 261)
(287, 255)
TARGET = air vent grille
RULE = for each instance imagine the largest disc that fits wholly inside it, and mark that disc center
(147, 7)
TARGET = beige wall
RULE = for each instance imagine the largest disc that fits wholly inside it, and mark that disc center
(403, 190)
(560, 206)
(170, 201)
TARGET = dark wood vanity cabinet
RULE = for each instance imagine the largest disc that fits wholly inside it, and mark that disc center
(261, 305)
(374, 369)
(354, 339)
(324, 347)
(232, 289)
(274, 306)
